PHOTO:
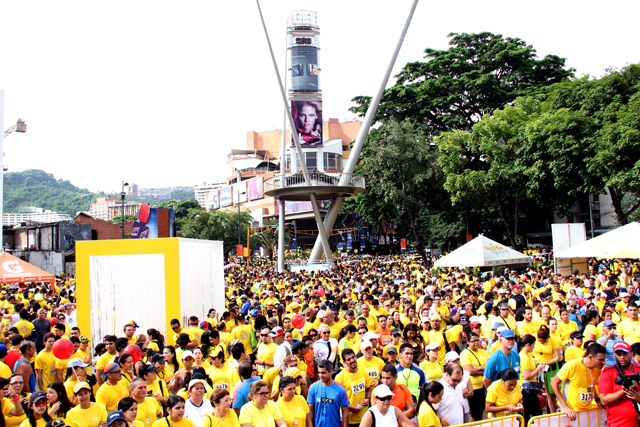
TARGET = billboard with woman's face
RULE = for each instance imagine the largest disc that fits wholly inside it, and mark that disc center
(307, 116)
(256, 188)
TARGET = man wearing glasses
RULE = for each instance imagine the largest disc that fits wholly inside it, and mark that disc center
(502, 359)
(507, 319)
(451, 406)
(110, 393)
(329, 342)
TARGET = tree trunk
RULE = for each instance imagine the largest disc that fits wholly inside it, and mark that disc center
(516, 218)
(616, 202)
(504, 220)
(418, 239)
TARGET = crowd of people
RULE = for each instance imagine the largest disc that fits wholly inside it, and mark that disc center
(378, 341)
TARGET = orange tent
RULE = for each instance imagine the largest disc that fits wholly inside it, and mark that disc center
(15, 270)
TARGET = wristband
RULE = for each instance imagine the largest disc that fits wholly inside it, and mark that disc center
(15, 398)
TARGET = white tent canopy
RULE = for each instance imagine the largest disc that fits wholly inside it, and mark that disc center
(482, 252)
(623, 242)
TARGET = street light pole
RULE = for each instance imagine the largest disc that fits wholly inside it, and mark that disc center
(122, 194)
(239, 234)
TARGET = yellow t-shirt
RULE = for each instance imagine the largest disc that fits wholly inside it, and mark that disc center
(149, 411)
(591, 329)
(294, 412)
(437, 337)
(433, 370)
(109, 395)
(543, 353)
(104, 360)
(372, 367)
(528, 328)
(355, 385)
(219, 377)
(573, 353)
(527, 362)
(497, 394)
(427, 417)
(478, 358)
(579, 384)
(39, 423)
(250, 414)
(25, 328)
(629, 330)
(46, 361)
(91, 417)
(565, 329)
(184, 422)
(230, 419)
(10, 420)
(243, 333)
(266, 352)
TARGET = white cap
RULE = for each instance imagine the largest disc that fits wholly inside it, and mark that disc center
(197, 381)
(187, 353)
(433, 346)
(320, 314)
(587, 295)
(366, 344)
(368, 336)
(382, 391)
(76, 363)
(624, 294)
(501, 328)
(451, 356)
(501, 291)
(424, 319)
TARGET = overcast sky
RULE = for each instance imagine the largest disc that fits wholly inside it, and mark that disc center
(157, 92)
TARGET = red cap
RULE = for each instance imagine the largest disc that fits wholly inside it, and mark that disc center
(622, 346)
(475, 324)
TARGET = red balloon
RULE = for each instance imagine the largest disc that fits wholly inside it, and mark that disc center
(63, 349)
(298, 321)
(53, 321)
(321, 292)
(134, 351)
(10, 359)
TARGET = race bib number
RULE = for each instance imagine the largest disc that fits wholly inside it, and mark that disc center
(357, 388)
(262, 367)
(373, 374)
(224, 386)
(586, 394)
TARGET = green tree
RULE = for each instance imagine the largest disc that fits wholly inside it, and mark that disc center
(403, 166)
(268, 240)
(455, 88)
(118, 218)
(217, 225)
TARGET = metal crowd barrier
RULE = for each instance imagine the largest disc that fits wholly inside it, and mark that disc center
(508, 421)
(595, 417)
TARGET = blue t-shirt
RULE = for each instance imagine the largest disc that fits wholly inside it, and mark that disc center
(574, 317)
(243, 393)
(499, 361)
(611, 360)
(327, 400)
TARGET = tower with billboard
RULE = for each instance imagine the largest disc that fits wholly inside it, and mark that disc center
(303, 34)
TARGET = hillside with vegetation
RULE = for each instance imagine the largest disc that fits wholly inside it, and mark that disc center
(35, 187)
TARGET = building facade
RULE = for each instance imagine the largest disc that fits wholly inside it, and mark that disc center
(107, 208)
(33, 214)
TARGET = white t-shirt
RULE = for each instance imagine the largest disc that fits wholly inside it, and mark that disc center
(71, 319)
(282, 351)
(196, 413)
(451, 406)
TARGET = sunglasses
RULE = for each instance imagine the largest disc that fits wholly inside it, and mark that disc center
(264, 394)
(263, 335)
(326, 333)
(313, 335)
(384, 399)
(42, 402)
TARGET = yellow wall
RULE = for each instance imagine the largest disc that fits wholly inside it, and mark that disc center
(169, 247)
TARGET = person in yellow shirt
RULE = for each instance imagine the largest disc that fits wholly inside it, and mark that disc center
(566, 326)
(260, 411)
(528, 325)
(294, 408)
(357, 385)
(473, 360)
(504, 396)
(175, 417)
(548, 350)
(112, 390)
(430, 394)
(629, 328)
(243, 332)
(175, 326)
(372, 322)
(370, 364)
(194, 329)
(266, 350)
(580, 378)
(129, 332)
(87, 413)
(46, 363)
(590, 329)
(575, 351)
(433, 368)
(23, 326)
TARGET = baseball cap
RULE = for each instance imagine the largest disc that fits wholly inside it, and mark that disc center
(382, 391)
(277, 330)
(395, 331)
(145, 369)
(187, 353)
(76, 363)
(3, 349)
(38, 395)
(56, 422)
(608, 324)
(622, 346)
(197, 381)
(507, 334)
(115, 416)
(240, 316)
(392, 349)
(624, 294)
(350, 328)
(368, 336)
(79, 386)
(293, 373)
(498, 325)
(433, 346)
(132, 323)
(365, 345)
(243, 296)
(451, 356)
(158, 358)
(436, 317)
(84, 339)
(350, 313)
(254, 312)
(475, 324)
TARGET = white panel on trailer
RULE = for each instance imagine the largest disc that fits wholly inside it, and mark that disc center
(126, 288)
(201, 278)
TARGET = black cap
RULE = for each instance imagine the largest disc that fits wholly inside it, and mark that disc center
(145, 369)
(158, 358)
(350, 313)
(350, 328)
(240, 316)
